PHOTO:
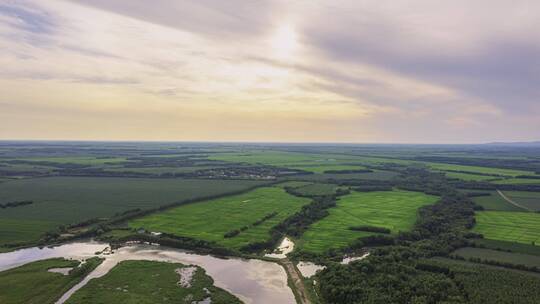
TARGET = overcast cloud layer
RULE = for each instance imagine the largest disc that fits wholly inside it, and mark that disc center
(305, 71)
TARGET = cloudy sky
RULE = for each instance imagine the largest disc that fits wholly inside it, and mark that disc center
(422, 71)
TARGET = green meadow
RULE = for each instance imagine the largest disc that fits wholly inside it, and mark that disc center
(33, 284)
(526, 199)
(395, 210)
(494, 201)
(498, 256)
(67, 200)
(211, 220)
(521, 227)
(148, 282)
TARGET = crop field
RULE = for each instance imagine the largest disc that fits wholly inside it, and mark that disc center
(316, 163)
(498, 256)
(324, 168)
(33, 284)
(521, 227)
(211, 220)
(478, 169)
(66, 200)
(469, 177)
(518, 181)
(495, 202)
(527, 249)
(82, 160)
(148, 282)
(317, 189)
(395, 210)
(159, 170)
(526, 199)
(376, 175)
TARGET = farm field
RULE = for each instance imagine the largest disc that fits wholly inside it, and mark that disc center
(518, 181)
(495, 202)
(211, 220)
(376, 175)
(159, 170)
(498, 256)
(469, 177)
(521, 227)
(395, 210)
(477, 169)
(317, 189)
(82, 160)
(34, 284)
(67, 200)
(148, 282)
(526, 199)
(508, 246)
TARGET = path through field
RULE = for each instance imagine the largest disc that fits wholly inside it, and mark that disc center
(512, 202)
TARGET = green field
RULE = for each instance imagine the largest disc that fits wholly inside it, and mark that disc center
(33, 284)
(521, 227)
(66, 200)
(526, 199)
(477, 169)
(469, 177)
(147, 282)
(518, 181)
(159, 170)
(210, 220)
(495, 202)
(498, 256)
(317, 189)
(395, 210)
(82, 160)
(508, 246)
(376, 175)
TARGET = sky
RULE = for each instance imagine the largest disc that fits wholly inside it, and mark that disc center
(422, 71)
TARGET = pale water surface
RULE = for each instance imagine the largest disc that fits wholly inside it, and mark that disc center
(253, 281)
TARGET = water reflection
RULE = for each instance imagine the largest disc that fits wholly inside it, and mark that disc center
(253, 281)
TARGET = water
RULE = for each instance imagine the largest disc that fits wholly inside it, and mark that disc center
(253, 281)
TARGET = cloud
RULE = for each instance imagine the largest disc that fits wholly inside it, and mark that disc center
(460, 45)
(407, 71)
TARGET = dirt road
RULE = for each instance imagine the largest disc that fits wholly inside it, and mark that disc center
(297, 281)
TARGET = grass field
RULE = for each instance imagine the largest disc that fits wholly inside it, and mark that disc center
(160, 170)
(33, 284)
(324, 168)
(317, 189)
(377, 175)
(508, 246)
(521, 227)
(148, 282)
(66, 200)
(495, 202)
(517, 181)
(498, 256)
(395, 210)
(469, 177)
(83, 160)
(210, 220)
(526, 199)
(478, 169)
